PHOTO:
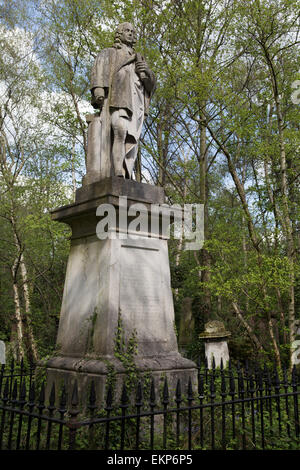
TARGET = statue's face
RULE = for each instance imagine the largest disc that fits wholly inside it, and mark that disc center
(128, 33)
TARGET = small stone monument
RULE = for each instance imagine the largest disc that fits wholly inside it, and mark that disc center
(2, 352)
(296, 345)
(215, 338)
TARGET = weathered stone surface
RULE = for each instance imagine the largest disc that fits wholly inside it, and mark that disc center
(2, 352)
(217, 350)
(115, 186)
(112, 280)
(122, 85)
(84, 378)
(296, 345)
(108, 281)
(216, 347)
(214, 329)
(89, 197)
(123, 280)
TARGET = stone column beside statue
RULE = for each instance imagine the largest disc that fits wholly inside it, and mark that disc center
(123, 281)
(215, 339)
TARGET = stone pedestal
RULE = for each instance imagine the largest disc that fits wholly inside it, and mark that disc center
(215, 338)
(123, 281)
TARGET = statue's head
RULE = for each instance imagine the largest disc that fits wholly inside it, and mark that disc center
(125, 34)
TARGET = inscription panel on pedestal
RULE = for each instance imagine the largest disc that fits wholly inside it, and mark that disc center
(142, 295)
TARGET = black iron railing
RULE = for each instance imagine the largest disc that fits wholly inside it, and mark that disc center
(233, 408)
(16, 373)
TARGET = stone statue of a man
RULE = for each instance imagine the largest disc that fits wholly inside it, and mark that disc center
(121, 85)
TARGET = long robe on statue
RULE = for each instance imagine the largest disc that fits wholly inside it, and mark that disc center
(127, 94)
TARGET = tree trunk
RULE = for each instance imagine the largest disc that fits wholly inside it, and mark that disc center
(25, 286)
(205, 257)
(249, 329)
(160, 152)
(17, 337)
(31, 339)
(73, 170)
(285, 206)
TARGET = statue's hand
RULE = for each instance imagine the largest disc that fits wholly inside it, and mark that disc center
(99, 97)
(142, 67)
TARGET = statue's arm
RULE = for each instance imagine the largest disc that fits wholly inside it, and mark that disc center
(98, 95)
(146, 74)
(100, 78)
(149, 82)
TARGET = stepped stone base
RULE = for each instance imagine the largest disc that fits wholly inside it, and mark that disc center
(67, 370)
(116, 284)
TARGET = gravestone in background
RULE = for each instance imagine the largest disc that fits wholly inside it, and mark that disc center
(2, 352)
(296, 346)
(215, 338)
